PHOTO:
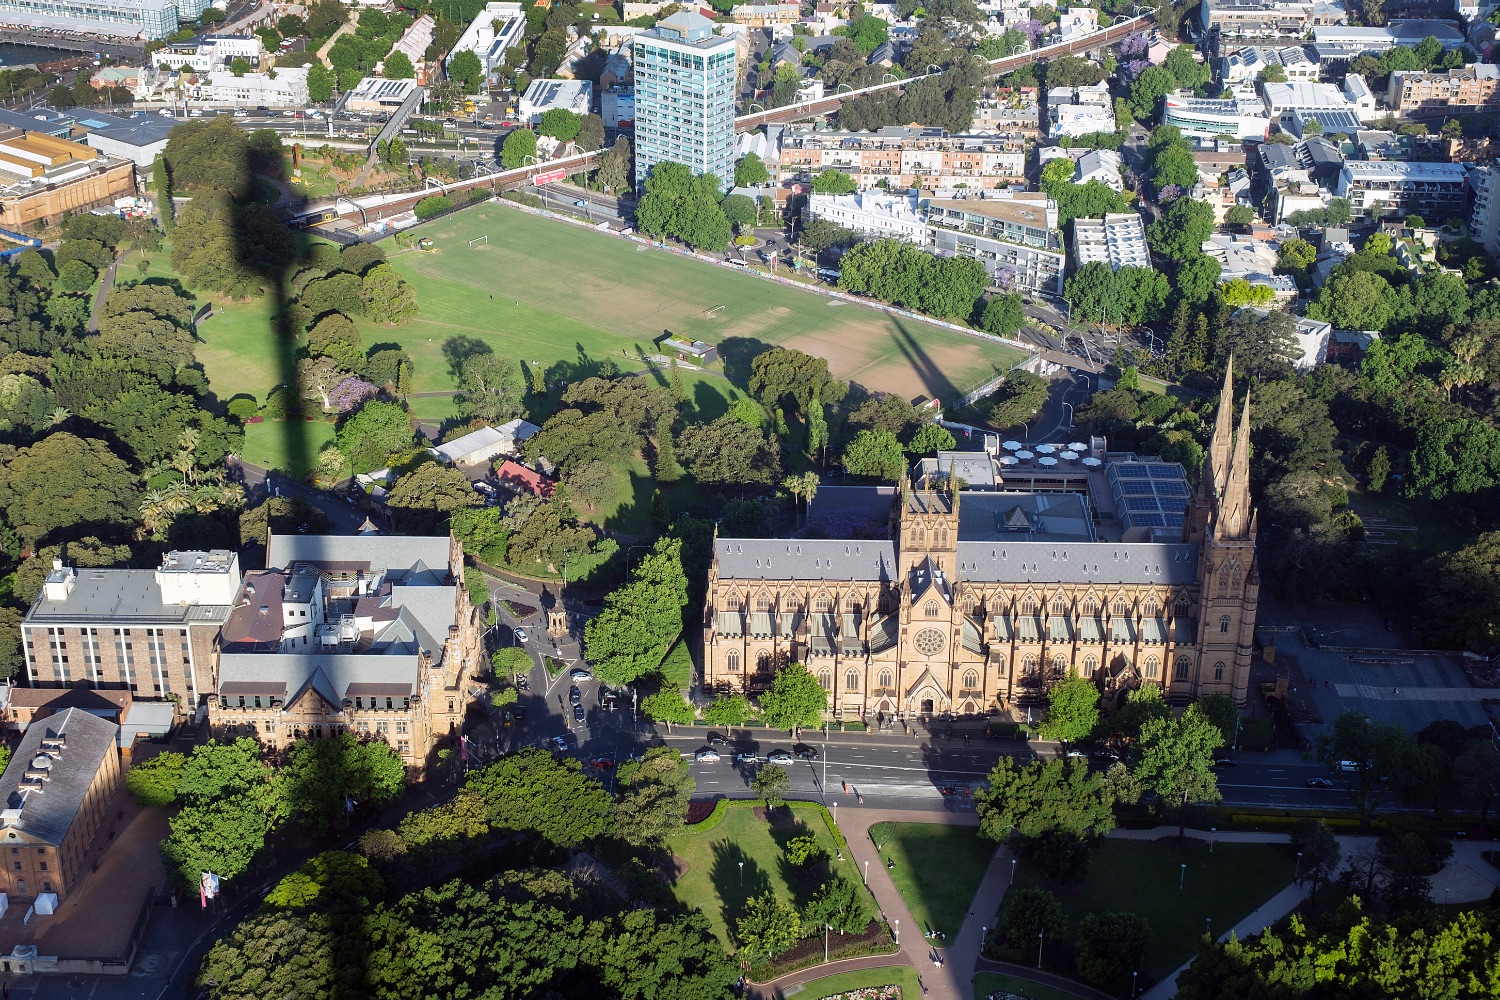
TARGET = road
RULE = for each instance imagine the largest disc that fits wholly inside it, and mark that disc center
(341, 512)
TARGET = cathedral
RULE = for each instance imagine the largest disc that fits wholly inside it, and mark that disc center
(986, 576)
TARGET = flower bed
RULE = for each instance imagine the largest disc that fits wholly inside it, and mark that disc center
(891, 992)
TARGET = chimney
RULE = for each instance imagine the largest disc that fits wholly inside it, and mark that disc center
(59, 582)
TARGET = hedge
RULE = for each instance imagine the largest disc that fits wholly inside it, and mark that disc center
(432, 206)
(712, 820)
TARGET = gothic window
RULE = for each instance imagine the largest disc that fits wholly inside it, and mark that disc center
(928, 641)
(1183, 666)
(851, 605)
(823, 604)
(885, 680)
(1183, 608)
(826, 679)
(763, 662)
(763, 603)
(930, 609)
(1224, 625)
(1152, 666)
(1000, 663)
(732, 661)
(1090, 665)
(971, 680)
(1059, 606)
(1059, 665)
(943, 537)
(1089, 607)
(921, 535)
(1219, 671)
(1150, 609)
(1029, 665)
(968, 604)
(1121, 608)
(1028, 606)
(851, 681)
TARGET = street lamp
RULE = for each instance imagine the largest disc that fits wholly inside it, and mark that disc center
(1208, 927)
(896, 930)
(1182, 877)
(1039, 942)
(1012, 872)
(1069, 407)
(1298, 873)
(1211, 831)
(867, 874)
(1133, 976)
(742, 874)
(826, 929)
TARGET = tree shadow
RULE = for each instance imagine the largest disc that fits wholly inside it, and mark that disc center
(709, 405)
(933, 378)
(576, 369)
(457, 350)
(737, 878)
(736, 353)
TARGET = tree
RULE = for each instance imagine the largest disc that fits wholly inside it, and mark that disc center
(750, 171)
(531, 790)
(839, 904)
(1176, 760)
(769, 926)
(655, 794)
(75, 276)
(371, 436)
(668, 707)
(1073, 710)
(590, 133)
(423, 499)
(1374, 751)
(727, 710)
(1359, 300)
(1029, 916)
(1002, 315)
(640, 620)
(398, 66)
(876, 455)
(319, 83)
(796, 699)
(1174, 166)
(834, 182)
(491, 388)
(517, 148)
(63, 481)
(930, 439)
(728, 452)
(153, 782)
(561, 124)
(1317, 850)
(615, 166)
(1111, 947)
(322, 780)
(1042, 798)
(465, 69)
(333, 880)
(1241, 215)
(770, 784)
(386, 297)
(1182, 228)
(1197, 277)
(1154, 83)
(1020, 395)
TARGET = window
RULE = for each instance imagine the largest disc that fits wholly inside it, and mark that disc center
(401, 728)
(825, 679)
(1090, 665)
(885, 679)
(1150, 609)
(1029, 665)
(1183, 608)
(763, 662)
(1028, 606)
(1219, 671)
(42, 865)
(851, 606)
(1090, 607)
(930, 609)
(1059, 606)
(1183, 666)
(851, 680)
(823, 604)
(762, 603)
(1059, 665)
(1224, 625)
(1121, 608)
(732, 661)
(1152, 666)
(971, 680)
(18, 865)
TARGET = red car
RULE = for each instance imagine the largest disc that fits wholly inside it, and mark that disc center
(602, 763)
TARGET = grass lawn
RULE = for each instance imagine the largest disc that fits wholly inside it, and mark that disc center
(267, 444)
(1141, 877)
(938, 867)
(989, 983)
(903, 976)
(546, 291)
(1436, 530)
(711, 878)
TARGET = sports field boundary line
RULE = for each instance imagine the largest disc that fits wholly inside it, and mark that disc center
(1029, 349)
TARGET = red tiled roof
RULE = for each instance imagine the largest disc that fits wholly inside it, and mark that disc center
(517, 476)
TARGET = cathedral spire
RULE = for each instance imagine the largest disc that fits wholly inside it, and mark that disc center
(1223, 429)
(1235, 519)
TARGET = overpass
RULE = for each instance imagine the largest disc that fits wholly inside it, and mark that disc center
(393, 204)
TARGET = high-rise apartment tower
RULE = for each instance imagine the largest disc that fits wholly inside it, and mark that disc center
(684, 97)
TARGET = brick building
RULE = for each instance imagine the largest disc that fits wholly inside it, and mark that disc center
(59, 789)
(365, 633)
(152, 631)
(1472, 88)
(906, 157)
(42, 176)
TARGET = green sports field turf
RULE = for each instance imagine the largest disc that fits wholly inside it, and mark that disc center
(542, 290)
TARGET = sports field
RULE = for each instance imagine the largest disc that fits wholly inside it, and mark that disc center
(547, 291)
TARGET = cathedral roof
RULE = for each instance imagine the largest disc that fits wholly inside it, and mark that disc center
(804, 559)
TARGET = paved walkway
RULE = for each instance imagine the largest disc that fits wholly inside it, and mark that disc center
(104, 286)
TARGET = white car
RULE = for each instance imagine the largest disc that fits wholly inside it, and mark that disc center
(580, 675)
(708, 755)
(520, 635)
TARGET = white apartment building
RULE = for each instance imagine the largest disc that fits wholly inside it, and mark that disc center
(280, 88)
(490, 35)
(1207, 118)
(1118, 239)
(874, 213)
(210, 52)
(1248, 63)
(1401, 188)
(542, 96)
(684, 97)
(1484, 219)
(1074, 111)
(905, 156)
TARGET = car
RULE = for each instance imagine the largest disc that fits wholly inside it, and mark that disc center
(708, 755)
(1346, 766)
(1103, 753)
(781, 757)
(518, 712)
(575, 696)
(580, 675)
(714, 739)
(580, 203)
(747, 757)
(1319, 783)
(520, 635)
(507, 124)
(602, 763)
(561, 742)
(1226, 762)
(1077, 755)
(805, 752)
(241, 113)
(577, 713)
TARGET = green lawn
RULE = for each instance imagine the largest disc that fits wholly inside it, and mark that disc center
(1436, 529)
(987, 984)
(903, 976)
(270, 444)
(938, 868)
(1141, 877)
(711, 878)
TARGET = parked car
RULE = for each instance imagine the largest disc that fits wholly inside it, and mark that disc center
(708, 755)
(577, 713)
(560, 742)
(579, 674)
(575, 696)
(747, 757)
(1225, 762)
(781, 757)
(1347, 766)
(805, 751)
(1319, 783)
(602, 763)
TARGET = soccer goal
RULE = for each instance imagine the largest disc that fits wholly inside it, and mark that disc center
(479, 241)
(713, 313)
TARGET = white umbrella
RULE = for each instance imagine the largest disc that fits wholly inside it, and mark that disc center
(1024, 455)
(1047, 460)
(1045, 449)
(1078, 446)
(1007, 460)
(1091, 462)
(1071, 456)
(1012, 446)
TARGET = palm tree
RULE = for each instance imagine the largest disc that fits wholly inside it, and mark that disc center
(793, 485)
(59, 416)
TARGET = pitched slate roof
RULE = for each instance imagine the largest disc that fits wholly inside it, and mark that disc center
(390, 553)
(46, 811)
